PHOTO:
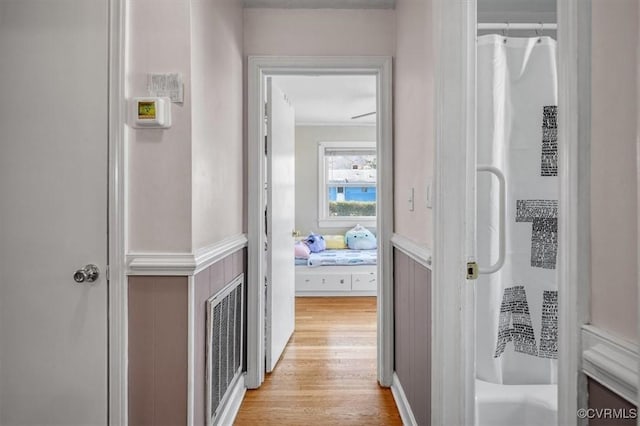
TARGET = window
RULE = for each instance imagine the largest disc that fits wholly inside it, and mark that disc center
(347, 177)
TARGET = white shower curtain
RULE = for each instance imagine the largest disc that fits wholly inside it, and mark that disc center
(516, 309)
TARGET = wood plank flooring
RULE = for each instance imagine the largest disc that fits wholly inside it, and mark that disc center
(327, 373)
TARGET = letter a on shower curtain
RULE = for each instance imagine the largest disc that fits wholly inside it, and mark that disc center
(516, 307)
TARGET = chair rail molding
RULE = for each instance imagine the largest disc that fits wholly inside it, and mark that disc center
(611, 361)
(169, 264)
(417, 252)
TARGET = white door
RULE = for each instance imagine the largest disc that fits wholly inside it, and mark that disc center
(53, 211)
(280, 301)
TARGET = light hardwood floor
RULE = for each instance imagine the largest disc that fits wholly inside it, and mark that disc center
(327, 374)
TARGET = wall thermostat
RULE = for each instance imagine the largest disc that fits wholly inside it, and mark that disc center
(151, 113)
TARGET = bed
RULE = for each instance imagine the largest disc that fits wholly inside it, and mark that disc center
(337, 273)
(341, 258)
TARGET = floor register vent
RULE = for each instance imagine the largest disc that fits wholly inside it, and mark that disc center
(224, 345)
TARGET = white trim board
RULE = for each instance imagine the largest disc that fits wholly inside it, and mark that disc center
(117, 290)
(232, 405)
(417, 252)
(611, 361)
(453, 316)
(171, 264)
(191, 352)
(404, 408)
(260, 67)
(574, 249)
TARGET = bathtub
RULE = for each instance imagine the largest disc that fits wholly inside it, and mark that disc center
(516, 405)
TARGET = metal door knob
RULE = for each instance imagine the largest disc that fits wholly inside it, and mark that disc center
(89, 273)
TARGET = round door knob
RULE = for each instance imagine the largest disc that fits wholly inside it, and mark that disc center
(89, 273)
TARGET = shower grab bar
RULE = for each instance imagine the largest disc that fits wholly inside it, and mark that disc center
(502, 241)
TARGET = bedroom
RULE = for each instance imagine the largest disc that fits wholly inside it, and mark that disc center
(335, 183)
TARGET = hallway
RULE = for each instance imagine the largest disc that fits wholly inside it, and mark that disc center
(327, 374)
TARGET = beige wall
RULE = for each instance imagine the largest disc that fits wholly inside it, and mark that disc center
(614, 212)
(217, 146)
(159, 161)
(307, 138)
(319, 32)
(414, 146)
(186, 182)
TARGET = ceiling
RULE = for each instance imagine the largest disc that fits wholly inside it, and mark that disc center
(330, 100)
(322, 4)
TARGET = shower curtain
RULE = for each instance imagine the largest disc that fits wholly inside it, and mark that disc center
(516, 307)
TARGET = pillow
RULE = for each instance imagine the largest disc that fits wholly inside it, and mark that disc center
(360, 238)
(315, 243)
(335, 242)
(301, 250)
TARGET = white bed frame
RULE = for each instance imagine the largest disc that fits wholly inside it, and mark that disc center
(356, 280)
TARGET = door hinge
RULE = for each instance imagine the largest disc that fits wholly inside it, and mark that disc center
(107, 273)
(472, 270)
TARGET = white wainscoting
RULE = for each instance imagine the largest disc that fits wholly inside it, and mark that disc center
(167, 264)
(611, 361)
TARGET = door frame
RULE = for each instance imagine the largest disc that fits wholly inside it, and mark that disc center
(116, 277)
(260, 67)
(452, 371)
(574, 218)
(454, 24)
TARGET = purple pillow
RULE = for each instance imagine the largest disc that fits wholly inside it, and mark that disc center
(315, 242)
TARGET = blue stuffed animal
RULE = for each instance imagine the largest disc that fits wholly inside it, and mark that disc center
(360, 238)
(316, 243)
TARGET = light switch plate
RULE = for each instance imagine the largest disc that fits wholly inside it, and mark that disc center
(410, 200)
(429, 194)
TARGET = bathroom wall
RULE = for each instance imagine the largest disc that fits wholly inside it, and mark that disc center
(614, 210)
(601, 398)
(614, 179)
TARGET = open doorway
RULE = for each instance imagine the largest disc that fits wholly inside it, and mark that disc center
(335, 209)
(324, 128)
(335, 183)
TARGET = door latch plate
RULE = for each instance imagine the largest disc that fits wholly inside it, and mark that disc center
(472, 270)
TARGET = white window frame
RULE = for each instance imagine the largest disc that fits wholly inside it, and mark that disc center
(324, 220)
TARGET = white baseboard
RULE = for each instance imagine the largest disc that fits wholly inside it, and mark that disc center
(232, 405)
(402, 403)
(611, 361)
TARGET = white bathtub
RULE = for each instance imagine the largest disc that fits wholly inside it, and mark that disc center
(516, 405)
